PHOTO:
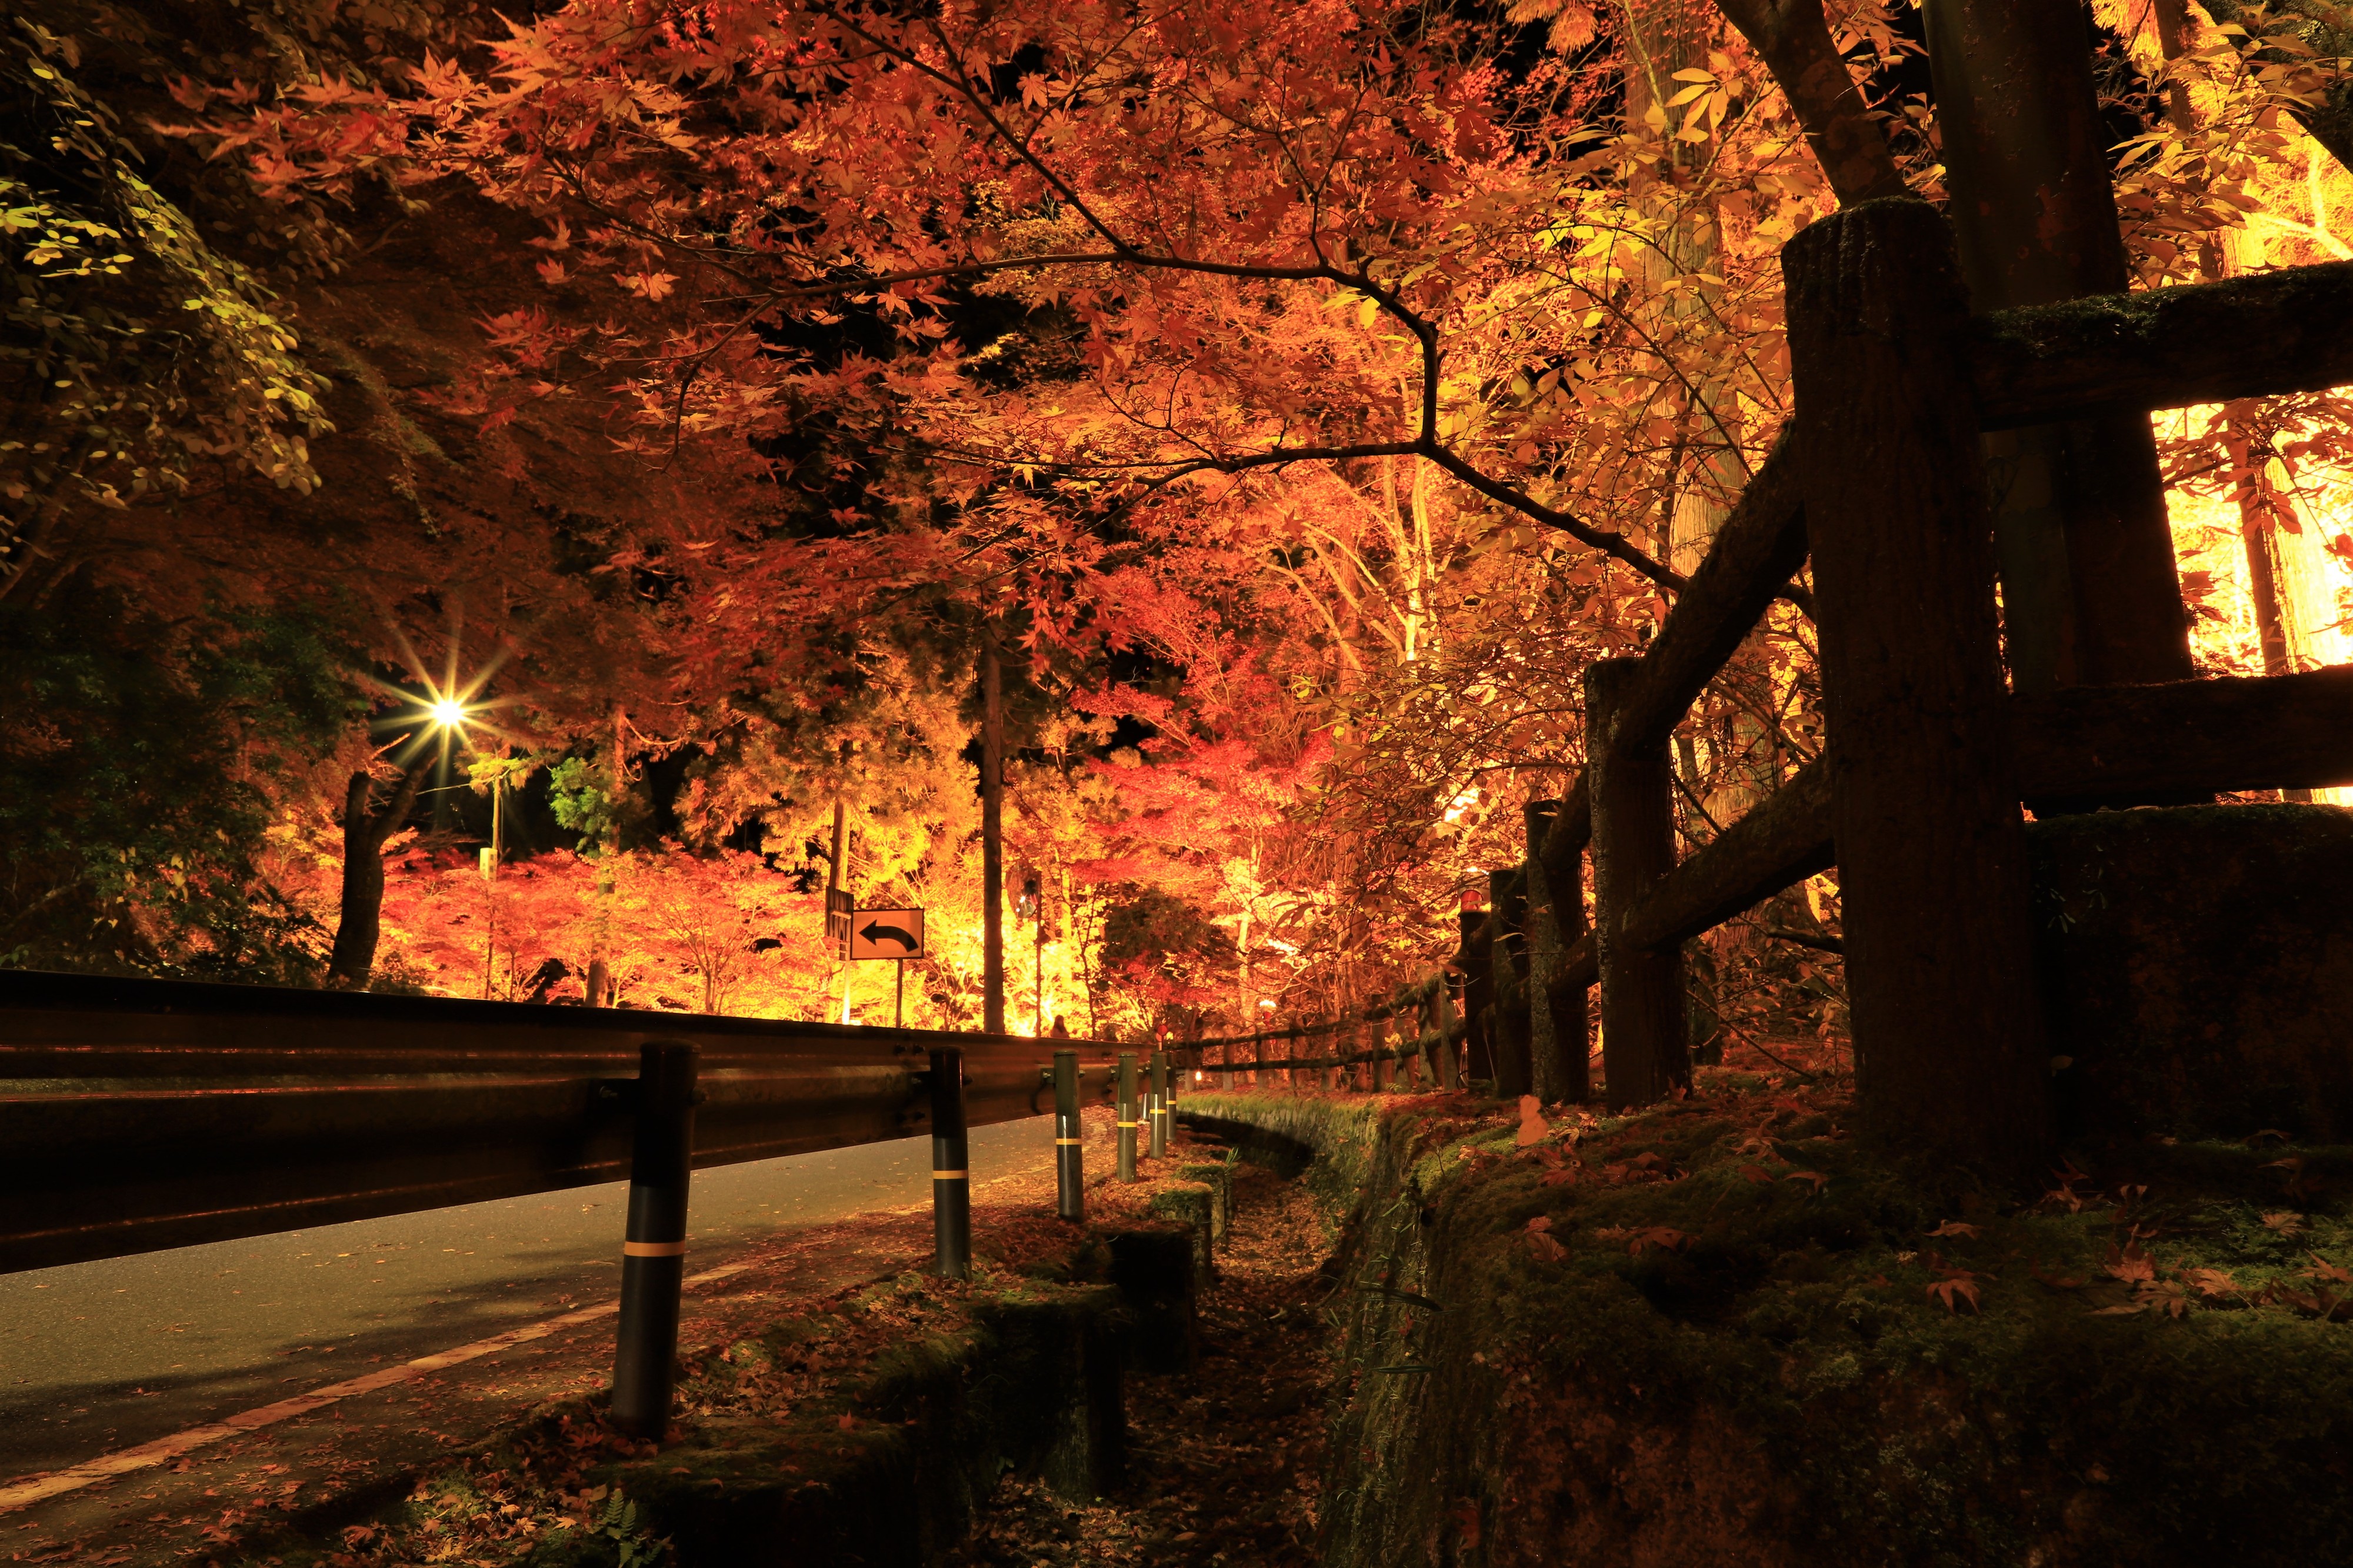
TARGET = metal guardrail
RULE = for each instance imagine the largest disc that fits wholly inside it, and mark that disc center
(138, 1114)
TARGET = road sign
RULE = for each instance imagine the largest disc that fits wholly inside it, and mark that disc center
(886, 933)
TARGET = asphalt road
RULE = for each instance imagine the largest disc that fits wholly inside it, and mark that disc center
(99, 1356)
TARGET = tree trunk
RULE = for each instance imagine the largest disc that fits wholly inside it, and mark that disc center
(359, 919)
(1794, 41)
(2090, 591)
(992, 839)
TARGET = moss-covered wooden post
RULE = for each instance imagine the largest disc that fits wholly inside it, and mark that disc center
(1643, 1052)
(1508, 960)
(1441, 1018)
(1931, 848)
(1478, 998)
(1558, 1044)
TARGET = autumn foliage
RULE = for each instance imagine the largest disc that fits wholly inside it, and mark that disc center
(1309, 393)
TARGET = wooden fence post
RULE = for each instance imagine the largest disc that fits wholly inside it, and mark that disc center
(1932, 853)
(1508, 962)
(1443, 1020)
(1562, 1030)
(1477, 999)
(1643, 1053)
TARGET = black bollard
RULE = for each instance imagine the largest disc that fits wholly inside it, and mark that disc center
(1159, 1116)
(653, 1256)
(1128, 1120)
(1070, 1168)
(951, 1172)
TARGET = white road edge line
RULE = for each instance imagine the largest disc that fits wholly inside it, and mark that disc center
(30, 1489)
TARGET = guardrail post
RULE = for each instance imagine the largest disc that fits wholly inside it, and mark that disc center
(1069, 1166)
(653, 1253)
(1377, 1051)
(1257, 1060)
(1291, 1053)
(1924, 801)
(1225, 1065)
(1128, 1120)
(1160, 1107)
(950, 1168)
(1644, 1053)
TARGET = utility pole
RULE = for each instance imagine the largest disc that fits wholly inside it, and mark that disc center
(992, 837)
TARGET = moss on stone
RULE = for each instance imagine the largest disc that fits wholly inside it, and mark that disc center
(1703, 1354)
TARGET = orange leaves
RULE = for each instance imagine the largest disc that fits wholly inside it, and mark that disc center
(649, 286)
(1541, 1241)
(1954, 1228)
(1640, 1239)
(1954, 1287)
(1647, 1166)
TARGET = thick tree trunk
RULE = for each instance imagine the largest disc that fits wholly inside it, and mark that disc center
(992, 840)
(1932, 850)
(1794, 41)
(360, 919)
(2090, 590)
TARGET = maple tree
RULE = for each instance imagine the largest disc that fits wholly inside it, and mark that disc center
(1310, 393)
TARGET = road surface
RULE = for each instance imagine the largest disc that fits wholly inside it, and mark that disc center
(99, 1356)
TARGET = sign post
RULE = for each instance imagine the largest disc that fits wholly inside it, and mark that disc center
(895, 934)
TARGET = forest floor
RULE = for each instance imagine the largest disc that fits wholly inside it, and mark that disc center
(1225, 1462)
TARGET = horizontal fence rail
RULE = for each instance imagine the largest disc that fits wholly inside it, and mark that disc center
(138, 1114)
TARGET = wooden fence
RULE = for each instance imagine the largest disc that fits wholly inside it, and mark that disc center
(1878, 479)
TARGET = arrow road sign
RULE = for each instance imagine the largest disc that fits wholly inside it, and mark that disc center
(886, 933)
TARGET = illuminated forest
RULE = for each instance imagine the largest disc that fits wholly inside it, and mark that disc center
(483, 492)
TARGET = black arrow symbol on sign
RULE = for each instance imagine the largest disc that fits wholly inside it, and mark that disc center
(905, 938)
